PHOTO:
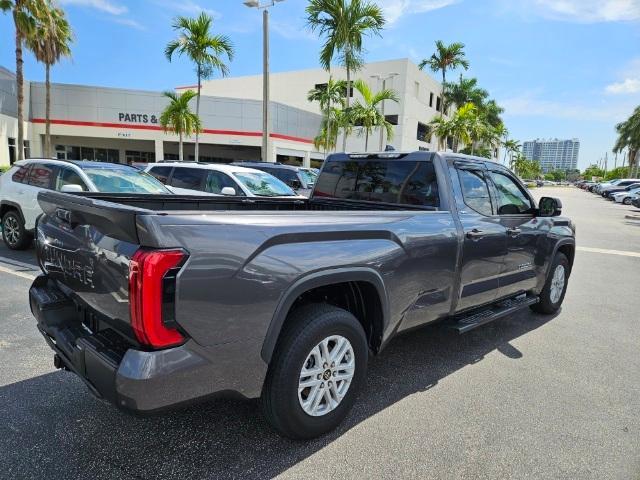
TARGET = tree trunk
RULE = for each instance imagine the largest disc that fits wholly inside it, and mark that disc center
(366, 139)
(348, 103)
(473, 144)
(47, 131)
(180, 148)
(20, 87)
(197, 148)
(442, 102)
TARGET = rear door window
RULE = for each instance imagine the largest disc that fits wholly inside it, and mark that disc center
(41, 175)
(475, 191)
(189, 178)
(389, 181)
(161, 173)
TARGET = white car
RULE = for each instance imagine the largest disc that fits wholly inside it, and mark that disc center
(626, 197)
(192, 178)
(20, 185)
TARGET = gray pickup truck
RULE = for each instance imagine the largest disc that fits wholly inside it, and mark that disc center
(158, 300)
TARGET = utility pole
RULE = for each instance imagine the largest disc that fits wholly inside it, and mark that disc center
(384, 86)
(266, 121)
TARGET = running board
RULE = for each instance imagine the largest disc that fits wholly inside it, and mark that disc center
(498, 310)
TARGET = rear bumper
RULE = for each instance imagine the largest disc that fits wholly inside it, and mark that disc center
(136, 380)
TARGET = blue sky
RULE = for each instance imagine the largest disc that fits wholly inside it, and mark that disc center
(561, 68)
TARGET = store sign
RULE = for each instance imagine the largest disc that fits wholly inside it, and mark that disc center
(137, 118)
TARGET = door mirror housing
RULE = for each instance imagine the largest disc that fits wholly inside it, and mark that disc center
(71, 188)
(228, 191)
(549, 207)
(295, 183)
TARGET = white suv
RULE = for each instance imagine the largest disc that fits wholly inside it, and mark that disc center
(218, 179)
(20, 185)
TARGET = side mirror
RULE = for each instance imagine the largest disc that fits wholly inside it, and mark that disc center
(71, 188)
(295, 183)
(549, 207)
(228, 191)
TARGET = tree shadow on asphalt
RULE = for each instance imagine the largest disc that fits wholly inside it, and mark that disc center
(53, 428)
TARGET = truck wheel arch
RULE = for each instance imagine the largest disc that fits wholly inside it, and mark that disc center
(568, 248)
(317, 280)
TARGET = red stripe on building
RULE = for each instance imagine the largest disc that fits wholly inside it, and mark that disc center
(131, 126)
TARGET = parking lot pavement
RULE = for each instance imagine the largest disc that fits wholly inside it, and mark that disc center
(525, 397)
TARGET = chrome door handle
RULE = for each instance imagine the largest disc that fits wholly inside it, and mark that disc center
(475, 234)
(513, 232)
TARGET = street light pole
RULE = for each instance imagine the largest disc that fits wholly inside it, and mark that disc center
(384, 86)
(266, 121)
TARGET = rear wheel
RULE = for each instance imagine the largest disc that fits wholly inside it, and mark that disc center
(14, 234)
(555, 288)
(627, 201)
(316, 372)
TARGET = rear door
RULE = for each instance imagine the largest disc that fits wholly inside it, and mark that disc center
(515, 210)
(189, 178)
(40, 178)
(485, 237)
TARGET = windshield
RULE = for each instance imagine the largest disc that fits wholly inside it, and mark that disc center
(124, 180)
(308, 177)
(264, 185)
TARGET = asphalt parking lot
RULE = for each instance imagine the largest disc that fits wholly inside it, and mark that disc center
(524, 397)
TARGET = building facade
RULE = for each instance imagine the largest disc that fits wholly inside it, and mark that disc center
(120, 125)
(553, 154)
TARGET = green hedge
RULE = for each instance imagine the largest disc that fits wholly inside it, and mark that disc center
(4, 168)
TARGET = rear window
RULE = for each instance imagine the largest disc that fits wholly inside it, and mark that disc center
(20, 176)
(389, 181)
(161, 173)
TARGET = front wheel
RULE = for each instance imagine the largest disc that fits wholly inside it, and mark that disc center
(316, 372)
(555, 288)
(627, 201)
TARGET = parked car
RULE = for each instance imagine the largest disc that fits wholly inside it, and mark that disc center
(299, 178)
(626, 196)
(218, 179)
(636, 201)
(174, 300)
(604, 188)
(618, 189)
(20, 186)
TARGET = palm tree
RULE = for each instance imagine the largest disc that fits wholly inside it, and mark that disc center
(178, 118)
(206, 50)
(328, 95)
(49, 43)
(366, 113)
(344, 23)
(511, 147)
(24, 14)
(443, 128)
(629, 137)
(447, 57)
(466, 91)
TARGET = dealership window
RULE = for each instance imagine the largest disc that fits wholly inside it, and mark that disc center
(133, 156)
(423, 132)
(392, 119)
(13, 156)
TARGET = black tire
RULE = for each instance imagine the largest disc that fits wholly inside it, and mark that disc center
(627, 201)
(306, 328)
(546, 304)
(15, 237)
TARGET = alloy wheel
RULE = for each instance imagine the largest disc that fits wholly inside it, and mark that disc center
(557, 284)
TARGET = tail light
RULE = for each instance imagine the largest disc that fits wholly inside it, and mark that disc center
(151, 288)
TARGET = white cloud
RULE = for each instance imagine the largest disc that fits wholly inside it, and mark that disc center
(588, 11)
(102, 5)
(530, 105)
(628, 85)
(187, 7)
(129, 22)
(395, 9)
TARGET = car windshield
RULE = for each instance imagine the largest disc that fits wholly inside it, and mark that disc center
(264, 185)
(308, 177)
(124, 180)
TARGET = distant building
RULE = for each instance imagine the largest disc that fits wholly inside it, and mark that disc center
(553, 154)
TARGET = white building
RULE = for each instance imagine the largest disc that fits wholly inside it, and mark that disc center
(120, 125)
(553, 154)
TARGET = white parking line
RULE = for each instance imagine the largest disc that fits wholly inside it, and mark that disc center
(17, 274)
(608, 252)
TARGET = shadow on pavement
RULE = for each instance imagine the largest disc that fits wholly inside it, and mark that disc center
(53, 428)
